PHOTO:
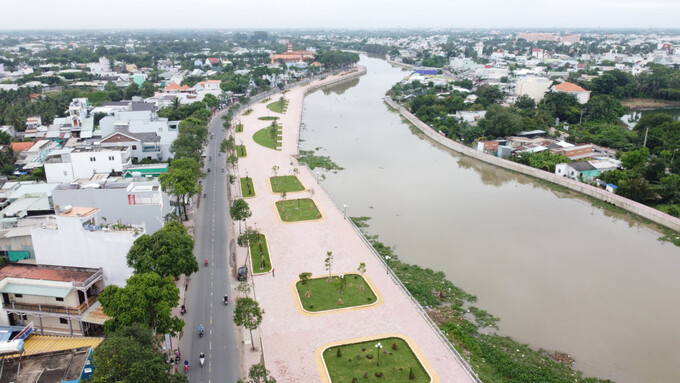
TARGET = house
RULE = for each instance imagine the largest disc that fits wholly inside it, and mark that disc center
(35, 156)
(470, 116)
(140, 118)
(127, 202)
(537, 53)
(69, 164)
(577, 170)
(212, 61)
(78, 236)
(21, 146)
(142, 145)
(581, 94)
(575, 152)
(54, 297)
(489, 147)
(33, 122)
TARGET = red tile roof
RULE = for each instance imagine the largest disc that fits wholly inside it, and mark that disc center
(569, 87)
(44, 272)
(21, 146)
(172, 86)
(213, 60)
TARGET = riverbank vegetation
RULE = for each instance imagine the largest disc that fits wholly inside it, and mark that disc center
(320, 294)
(393, 361)
(315, 161)
(471, 330)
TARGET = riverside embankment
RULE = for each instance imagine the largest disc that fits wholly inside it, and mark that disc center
(637, 208)
(288, 339)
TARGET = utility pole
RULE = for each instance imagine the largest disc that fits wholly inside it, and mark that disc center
(645, 143)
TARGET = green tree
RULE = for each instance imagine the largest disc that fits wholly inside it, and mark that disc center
(211, 101)
(258, 374)
(340, 284)
(240, 211)
(604, 108)
(249, 237)
(635, 187)
(500, 121)
(362, 270)
(489, 94)
(304, 279)
(524, 102)
(328, 262)
(181, 180)
(634, 159)
(248, 314)
(167, 252)
(129, 355)
(561, 105)
(147, 298)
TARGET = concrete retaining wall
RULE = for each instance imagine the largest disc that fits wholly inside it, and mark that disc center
(644, 211)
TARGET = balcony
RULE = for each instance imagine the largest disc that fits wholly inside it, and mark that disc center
(52, 310)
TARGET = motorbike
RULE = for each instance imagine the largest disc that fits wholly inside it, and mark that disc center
(206, 261)
(183, 310)
(200, 332)
(186, 366)
(202, 359)
(226, 300)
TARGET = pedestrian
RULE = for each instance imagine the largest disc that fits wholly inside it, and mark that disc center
(272, 272)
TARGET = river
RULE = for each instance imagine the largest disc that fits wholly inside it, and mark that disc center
(560, 273)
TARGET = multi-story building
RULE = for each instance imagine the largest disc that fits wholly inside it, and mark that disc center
(54, 298)
(77, 236)
(68, 164)
(130, 203)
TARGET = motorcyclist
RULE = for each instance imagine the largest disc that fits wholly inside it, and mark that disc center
(200, 330)
(186, 365)
(201, 358)
(226, 299)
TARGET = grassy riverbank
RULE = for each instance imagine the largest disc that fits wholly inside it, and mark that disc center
(495, 358)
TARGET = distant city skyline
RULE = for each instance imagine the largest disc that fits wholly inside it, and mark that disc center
(336, 14)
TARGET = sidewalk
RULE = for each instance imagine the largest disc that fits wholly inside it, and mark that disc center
(290, 338)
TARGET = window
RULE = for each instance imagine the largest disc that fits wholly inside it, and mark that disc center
(18, 295)
(110, 158)
(93, 159)
(134, 147)
(59, 299)
(63, 321)
(65, 173)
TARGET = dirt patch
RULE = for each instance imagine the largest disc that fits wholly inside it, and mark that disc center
(648, 103)
(562, 358)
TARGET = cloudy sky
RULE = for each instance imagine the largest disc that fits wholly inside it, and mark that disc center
(352, 14)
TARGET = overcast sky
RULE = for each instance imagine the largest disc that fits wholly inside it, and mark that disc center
(352, 14)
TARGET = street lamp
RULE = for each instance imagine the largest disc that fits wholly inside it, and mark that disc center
(345, 208)
(379, 346)
(317, 177)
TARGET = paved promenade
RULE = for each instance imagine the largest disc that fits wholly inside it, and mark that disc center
(290, 339)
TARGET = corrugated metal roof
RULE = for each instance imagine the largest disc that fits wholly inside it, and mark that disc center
(95, 314)
(40, 344)
(43, 291)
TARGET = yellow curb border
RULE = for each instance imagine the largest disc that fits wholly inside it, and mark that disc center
(278, 217)
(325, 375)
(270, 261)
(298, 303)
(271, 191)
(242, 196)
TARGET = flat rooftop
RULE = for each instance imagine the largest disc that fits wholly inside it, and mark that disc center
(46, 272)
(46, 368)
(79, 212)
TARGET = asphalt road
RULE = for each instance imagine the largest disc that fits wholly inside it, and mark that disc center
(204, 297)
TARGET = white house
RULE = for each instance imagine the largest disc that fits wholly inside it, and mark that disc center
(75, 237)
(141, 118)
(142, 145)
(534, 87)
(581, 94)
(69, 164)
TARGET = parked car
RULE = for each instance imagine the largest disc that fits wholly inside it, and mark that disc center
(242, 274)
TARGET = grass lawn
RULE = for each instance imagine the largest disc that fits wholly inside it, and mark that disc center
(264, 138)
(241, 151)
(277, 107)
(360, 360)
(294, 210)
(247, 188)
(286, 184)
(324, 294)
(239, 128)
(268, 118)
(257, 252)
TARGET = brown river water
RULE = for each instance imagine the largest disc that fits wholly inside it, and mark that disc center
(561, 274)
